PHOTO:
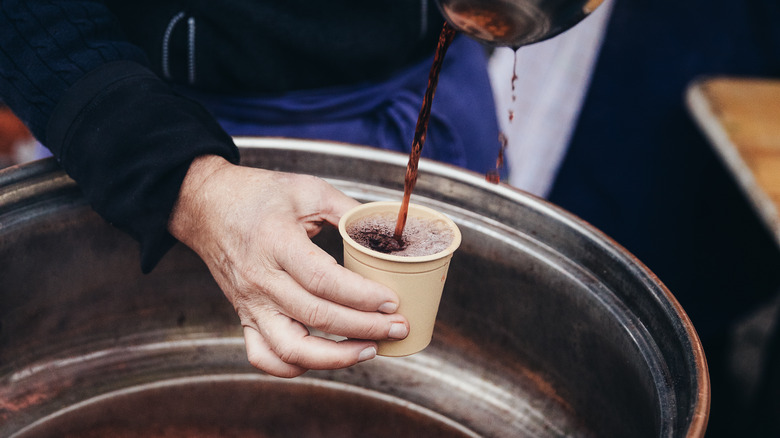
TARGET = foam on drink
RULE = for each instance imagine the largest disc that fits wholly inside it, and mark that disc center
(420, 237)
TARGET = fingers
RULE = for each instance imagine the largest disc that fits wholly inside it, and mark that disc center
(295, 351)
(282, 346)
(318, 273)
(334, 203)
(261, 356)
(311, 289)
(297, 303)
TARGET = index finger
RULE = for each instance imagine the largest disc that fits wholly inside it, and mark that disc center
(320, 274)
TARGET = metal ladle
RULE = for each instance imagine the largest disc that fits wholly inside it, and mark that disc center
(515, 23)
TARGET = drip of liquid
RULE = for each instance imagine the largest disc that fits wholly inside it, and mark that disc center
(514, 77)
(494, 175)
(445, 39)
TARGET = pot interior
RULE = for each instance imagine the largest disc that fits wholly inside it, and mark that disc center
(245, 405)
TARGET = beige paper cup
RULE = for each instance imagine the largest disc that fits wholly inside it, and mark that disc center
(417, 280)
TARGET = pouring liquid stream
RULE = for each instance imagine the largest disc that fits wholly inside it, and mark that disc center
(410, 179)
(420, 130)
(514, 23)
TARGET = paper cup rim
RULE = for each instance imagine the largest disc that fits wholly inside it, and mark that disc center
(456, 238)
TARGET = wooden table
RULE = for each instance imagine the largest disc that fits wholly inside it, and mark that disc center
(741, 118)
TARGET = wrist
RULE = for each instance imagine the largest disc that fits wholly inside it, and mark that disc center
(186, 216)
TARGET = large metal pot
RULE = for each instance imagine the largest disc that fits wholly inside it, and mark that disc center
(546, 328)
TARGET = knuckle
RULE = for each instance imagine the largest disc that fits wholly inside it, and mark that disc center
(317, 315)
(312, 180)
(374, 330)
(260, 362)
(289, 354)
(320, 281)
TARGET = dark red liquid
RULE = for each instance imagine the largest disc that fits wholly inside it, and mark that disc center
(378, 240)
(445, 39)
(421, 236)
(494, 175)
(514, 77)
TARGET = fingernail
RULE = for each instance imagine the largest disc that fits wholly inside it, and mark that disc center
(388, 307)
(366, 354)
(397, 331)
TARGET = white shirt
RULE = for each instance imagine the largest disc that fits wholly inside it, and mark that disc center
(552, 77)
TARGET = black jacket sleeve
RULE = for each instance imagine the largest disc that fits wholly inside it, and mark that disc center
(119, 131)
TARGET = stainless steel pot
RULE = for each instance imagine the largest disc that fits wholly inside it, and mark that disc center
(515, 23)
(547, 328)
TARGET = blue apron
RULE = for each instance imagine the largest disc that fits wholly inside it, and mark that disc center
(463, 129)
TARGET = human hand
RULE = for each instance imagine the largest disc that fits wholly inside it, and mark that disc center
(252, 227)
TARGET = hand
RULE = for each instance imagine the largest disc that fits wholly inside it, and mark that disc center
(252, 227)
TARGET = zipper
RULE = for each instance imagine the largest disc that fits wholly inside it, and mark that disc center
(166, 47)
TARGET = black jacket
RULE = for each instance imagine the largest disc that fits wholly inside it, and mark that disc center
(247, 46)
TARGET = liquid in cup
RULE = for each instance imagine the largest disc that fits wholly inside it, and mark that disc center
(421, 237)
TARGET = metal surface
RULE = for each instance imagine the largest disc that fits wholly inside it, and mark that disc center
(515, 23)
(547, 328)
